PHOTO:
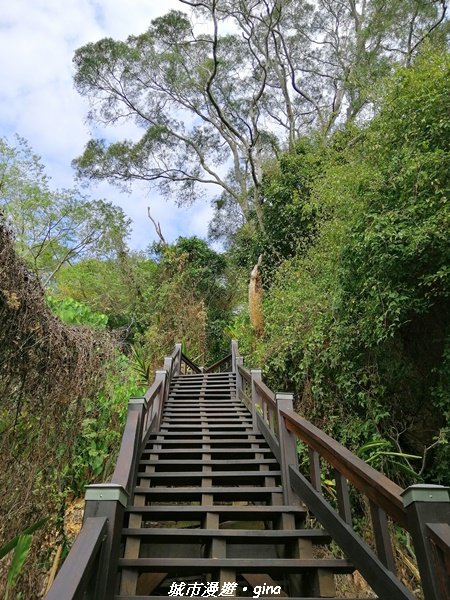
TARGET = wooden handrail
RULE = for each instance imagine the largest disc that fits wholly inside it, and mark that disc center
(131, 438)
(266, 392)
(219, 363)
(188, 362)
(74, 576)
(376, 486)
(153, 391)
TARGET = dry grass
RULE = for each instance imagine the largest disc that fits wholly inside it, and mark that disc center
(46, 370)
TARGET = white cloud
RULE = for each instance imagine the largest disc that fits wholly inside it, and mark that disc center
(38, 100)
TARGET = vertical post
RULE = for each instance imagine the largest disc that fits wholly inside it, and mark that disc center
(256, 376)
(107, 500)
(383, 542)
(177, 365)
(288, 446)
(161, 376)
(234, 355)
(426, 504)
(139, 405)
(239, 363)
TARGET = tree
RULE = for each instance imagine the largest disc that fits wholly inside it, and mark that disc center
(214, 107)
(54, 228)
(196, 96)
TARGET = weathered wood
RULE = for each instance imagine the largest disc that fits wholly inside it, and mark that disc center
(266, 393)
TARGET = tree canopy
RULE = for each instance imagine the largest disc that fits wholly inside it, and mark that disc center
(214, 105)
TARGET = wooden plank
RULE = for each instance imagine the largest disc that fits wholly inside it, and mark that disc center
(249, 565)
(383, 542)
(237, 512)
(249, 536)
(343, 497)
(214, 462)
(240, 491)
(173, 476)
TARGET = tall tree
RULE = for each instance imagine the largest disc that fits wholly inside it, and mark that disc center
(214, 106)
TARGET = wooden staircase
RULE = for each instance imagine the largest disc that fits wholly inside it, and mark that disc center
(208, 506)
(208, 500)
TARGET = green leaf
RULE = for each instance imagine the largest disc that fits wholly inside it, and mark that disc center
(20, 555)
(4, 550)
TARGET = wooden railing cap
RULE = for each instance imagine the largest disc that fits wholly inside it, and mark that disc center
(102, 492)
(283, 396)
(423, 492)
(137, 400)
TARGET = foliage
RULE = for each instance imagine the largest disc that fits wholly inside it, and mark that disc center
(235, 96)
(359, 324)
(20, 555)
(75, 313)
(100, 430)
(190, 303)
(47, 369)
(21, 545)
(120, 288)
(53, 228)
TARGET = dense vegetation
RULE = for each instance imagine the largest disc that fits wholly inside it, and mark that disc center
(339, 178)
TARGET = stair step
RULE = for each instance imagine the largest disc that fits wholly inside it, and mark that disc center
(218, 462)
(219, 493)
(212, 442)
(235, 513)
(248, 536)
(210, 474)
(194, 478)
(212, 451)
(242, 565)
(243, 434)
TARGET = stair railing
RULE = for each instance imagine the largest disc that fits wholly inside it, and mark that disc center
(89, 571)
(421, 510)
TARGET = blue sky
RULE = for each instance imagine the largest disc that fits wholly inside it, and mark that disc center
(38, 100)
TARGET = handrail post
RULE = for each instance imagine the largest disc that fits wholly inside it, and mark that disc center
(160, 375)
(288, 446)
(234, 355)
(107, 500)
(168, 366)
(426, 504)
(177, 365)
(256, 376)
(239, 386)
(139, 405)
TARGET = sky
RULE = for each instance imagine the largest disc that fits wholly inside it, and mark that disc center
(38, 100)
